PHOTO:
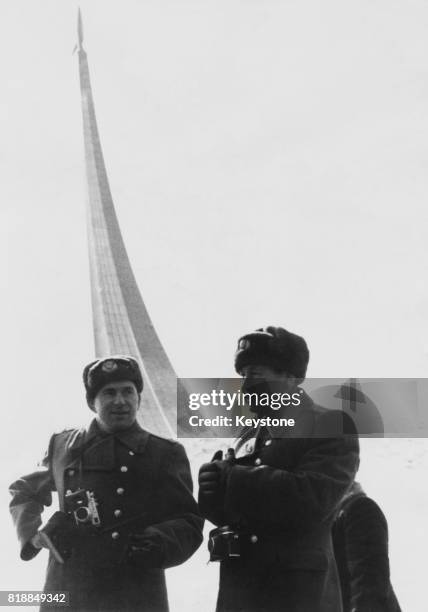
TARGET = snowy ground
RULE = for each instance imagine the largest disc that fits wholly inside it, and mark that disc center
(392, 471)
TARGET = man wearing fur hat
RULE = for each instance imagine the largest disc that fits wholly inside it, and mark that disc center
(279, 494)
(125, 497)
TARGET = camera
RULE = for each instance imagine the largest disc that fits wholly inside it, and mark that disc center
(224, 543)
(83, 506)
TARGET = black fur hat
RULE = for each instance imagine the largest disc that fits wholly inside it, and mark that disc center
(274, 347)
(110, 369)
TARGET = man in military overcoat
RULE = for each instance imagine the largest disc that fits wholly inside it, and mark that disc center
(125, 497)
(360, 542)
(279, 495)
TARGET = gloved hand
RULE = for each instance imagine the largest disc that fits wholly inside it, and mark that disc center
(59, 531)
(146, 551)
(213, 477)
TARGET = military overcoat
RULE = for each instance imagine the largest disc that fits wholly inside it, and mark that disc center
(283, 495)
(360, 541)
(142, 483)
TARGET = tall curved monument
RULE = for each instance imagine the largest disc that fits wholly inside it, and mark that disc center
(120, 318)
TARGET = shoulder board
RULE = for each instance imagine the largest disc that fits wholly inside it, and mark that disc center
(69, 435)
(66, 432)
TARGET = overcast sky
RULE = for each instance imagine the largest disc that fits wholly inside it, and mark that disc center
(268, 165)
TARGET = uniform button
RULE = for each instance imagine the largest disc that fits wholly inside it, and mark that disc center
(118, 513)
(258, 461)
(120, 491)
(131, 453)
(123, 468)
(268, 442)
(115, 535)
(254, 539)
(71, 472)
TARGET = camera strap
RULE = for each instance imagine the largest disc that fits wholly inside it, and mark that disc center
(245, 443)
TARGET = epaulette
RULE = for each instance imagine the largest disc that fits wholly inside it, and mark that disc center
(66, 431)
(70, 436)
(57, 433)
(320, 410)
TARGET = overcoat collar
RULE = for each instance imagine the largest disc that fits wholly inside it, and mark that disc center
(96, 448)
(251, 437)
(135, 438)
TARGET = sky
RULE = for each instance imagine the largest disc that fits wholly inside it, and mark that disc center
(268, 166)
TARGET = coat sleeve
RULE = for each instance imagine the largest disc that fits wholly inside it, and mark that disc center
(30, 495)
(366, 542)
(308, 493)
(180, 532)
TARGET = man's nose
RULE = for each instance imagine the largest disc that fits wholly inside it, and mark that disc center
(247, 382)
(119, 399)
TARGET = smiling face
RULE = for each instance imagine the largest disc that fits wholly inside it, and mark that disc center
(116, 406)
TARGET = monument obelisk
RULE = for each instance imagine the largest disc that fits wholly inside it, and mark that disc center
(121, 322)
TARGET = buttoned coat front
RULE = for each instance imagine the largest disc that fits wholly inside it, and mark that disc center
(141, 483)
(283, 495)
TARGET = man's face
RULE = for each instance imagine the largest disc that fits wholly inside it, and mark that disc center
(116, 405)
(263, 379)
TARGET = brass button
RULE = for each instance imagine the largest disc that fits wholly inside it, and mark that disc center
(131, 453)
(115, 535)
(123, 468)
(120, 491)
(254, 539)
(268, 442)
(258, 461)
(71, 472)
(118, 513)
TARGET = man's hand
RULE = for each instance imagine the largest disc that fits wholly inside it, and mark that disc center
(209, 479)
(213, 476)
(57, 536)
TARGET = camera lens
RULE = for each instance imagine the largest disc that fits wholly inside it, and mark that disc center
(82, 514)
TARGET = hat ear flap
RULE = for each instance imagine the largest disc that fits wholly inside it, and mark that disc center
(86, 371)
(90, 401)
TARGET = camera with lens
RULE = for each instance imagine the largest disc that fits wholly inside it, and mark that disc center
(83, 507)
(224, 543)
